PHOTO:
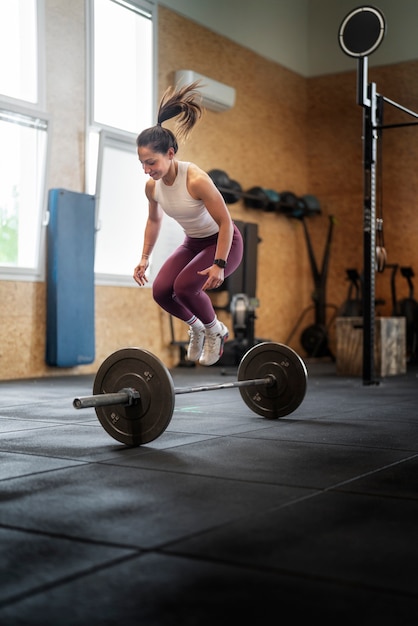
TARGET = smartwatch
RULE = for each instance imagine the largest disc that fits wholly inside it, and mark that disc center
(220, 263)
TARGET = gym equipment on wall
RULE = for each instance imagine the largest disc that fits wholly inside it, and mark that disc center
(242, 309)
(231, 189)
(353, 306)
(134, 393)
(242, 301)
(244, 279)
(314, 338)
(268, 200)
(361, 33)
(408, 308)
(394, 267)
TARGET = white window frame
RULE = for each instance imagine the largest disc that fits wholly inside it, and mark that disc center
(110, 137)
(35, 112)
(40, 105)
(121, 229)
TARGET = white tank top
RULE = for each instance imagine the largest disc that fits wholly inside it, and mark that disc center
(191, 214)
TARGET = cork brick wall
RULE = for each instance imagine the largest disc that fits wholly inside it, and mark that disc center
(285, 132)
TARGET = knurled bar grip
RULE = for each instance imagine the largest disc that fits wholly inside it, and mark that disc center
(267, 382)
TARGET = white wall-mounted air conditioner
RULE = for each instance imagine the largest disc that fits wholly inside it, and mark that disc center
(215, 96)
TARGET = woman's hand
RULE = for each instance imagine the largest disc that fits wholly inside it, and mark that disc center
(215, 277)
(139, 272)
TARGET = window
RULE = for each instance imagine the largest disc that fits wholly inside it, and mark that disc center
(18, 50)
(23, 150)
(23, 140)
(121, 188)
(123, 65)
(122, 95)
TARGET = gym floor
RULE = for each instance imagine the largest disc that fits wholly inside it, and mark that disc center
(225, 516)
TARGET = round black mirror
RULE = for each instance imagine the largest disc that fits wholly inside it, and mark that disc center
(362, 31)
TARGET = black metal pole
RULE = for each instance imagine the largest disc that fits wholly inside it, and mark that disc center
(369, 235)
(367, 98)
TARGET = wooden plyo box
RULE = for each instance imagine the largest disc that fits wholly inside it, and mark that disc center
(389, 346)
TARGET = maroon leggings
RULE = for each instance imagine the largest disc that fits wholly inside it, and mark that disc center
(177, 288)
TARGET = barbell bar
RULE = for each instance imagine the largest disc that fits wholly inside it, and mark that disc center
(124, 396)
(266, 382)
(130, 396)
(134, 393)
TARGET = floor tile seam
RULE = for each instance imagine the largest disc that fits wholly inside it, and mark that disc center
(322, 385)
(189, 474)
(310, 443)
(294, 574)
(377, 495)
(336, 486)
(77, 464)
(341, 410)
(45, 424)
(41, 424)
(65, 580)
(74, 464)
(331, 418)
(316, 491)
(255, 435)
(49, 379)
(51, 402)
(133, 549)
(205, 436)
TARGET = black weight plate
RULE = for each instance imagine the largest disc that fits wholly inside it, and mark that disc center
(314, 340)
(147, 418)
(290, 375)
(256, 198)
(220, 178)
(273, 200)
(234, 192)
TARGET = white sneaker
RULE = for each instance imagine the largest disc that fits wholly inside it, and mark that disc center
(214, 345)
(195, 347)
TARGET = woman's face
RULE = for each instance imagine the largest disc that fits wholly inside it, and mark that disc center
(155, 164)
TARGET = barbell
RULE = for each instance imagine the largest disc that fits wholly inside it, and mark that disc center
(134, 393)
(268, 200)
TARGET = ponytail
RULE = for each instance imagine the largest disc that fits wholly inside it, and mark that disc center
(184, 103)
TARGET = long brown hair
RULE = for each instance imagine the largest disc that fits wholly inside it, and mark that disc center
(182, 102)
